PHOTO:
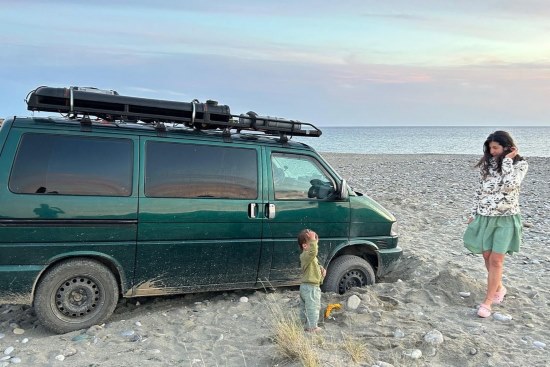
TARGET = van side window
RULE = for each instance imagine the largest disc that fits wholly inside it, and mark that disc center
(179, 170)
(72, 165)
(300, 177)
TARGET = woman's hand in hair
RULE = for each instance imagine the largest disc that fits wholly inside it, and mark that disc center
(513, 151)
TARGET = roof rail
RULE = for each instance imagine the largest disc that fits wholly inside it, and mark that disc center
(110, 106)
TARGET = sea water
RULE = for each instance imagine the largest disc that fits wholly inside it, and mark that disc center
(532, 141)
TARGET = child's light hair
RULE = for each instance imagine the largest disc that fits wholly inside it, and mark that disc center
(303, 237)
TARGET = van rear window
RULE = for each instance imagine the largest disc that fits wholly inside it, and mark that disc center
(179, 170)
(72, 165)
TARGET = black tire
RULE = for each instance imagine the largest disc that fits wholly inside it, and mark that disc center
(75, 294)
(346, 272)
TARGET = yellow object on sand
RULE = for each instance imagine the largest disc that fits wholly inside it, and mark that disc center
(330, 307)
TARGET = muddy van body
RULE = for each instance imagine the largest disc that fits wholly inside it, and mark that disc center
(91, 211)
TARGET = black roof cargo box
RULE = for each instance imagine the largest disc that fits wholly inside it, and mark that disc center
(112, 106)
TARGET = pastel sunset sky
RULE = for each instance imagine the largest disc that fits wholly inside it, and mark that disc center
(330, 63)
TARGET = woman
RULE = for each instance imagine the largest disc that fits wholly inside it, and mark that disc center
(494, 228)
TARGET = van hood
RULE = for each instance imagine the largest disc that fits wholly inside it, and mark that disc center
(368, 217)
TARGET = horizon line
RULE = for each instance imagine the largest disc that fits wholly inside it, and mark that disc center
(494, 126)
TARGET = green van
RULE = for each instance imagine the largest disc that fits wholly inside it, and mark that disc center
(91, 210)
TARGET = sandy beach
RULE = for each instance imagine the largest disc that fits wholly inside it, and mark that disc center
(422, 314)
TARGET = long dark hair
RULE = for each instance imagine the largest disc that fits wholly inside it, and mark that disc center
(506, 141)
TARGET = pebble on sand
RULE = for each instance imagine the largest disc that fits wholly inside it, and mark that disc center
(127, 333)
(433, 337)
(501, 317)
(414, 354)
(398, 333)
(353, 302)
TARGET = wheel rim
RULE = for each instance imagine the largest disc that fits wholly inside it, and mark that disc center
(353, 278)
(78, 298)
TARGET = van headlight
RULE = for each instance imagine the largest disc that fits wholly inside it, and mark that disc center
(394, 229)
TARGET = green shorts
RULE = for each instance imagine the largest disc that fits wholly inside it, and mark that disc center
(500, 234)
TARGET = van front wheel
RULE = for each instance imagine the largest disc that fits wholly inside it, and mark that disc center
(346, 272)
(75, 294)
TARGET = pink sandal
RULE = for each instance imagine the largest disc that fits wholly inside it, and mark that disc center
(484, 310)
(499, 296)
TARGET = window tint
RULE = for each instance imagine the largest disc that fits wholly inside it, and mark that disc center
(72, 165)
(300, 177)
(200, 171)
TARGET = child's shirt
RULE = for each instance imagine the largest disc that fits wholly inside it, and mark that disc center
(498, 193)
(311, 270)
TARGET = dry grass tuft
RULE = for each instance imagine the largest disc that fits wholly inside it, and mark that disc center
(356, 349)
(290, 338)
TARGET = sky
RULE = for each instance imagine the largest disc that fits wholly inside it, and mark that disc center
(329, 63)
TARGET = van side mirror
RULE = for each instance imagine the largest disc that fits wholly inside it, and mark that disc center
(343, 190)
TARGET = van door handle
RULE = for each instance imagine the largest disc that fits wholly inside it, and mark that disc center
(252, 210)
(270, 211)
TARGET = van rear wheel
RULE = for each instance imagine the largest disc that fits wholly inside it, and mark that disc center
(346, 272)
(75, 294)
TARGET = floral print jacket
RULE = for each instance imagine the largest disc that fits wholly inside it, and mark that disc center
(498, 193)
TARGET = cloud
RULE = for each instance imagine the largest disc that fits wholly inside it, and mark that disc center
(335, 63)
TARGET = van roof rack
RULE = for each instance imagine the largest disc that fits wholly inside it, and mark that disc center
(110, 106)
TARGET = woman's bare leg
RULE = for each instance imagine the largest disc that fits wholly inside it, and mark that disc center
(494, 263)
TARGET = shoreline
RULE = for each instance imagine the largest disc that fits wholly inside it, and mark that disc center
(459, 155)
